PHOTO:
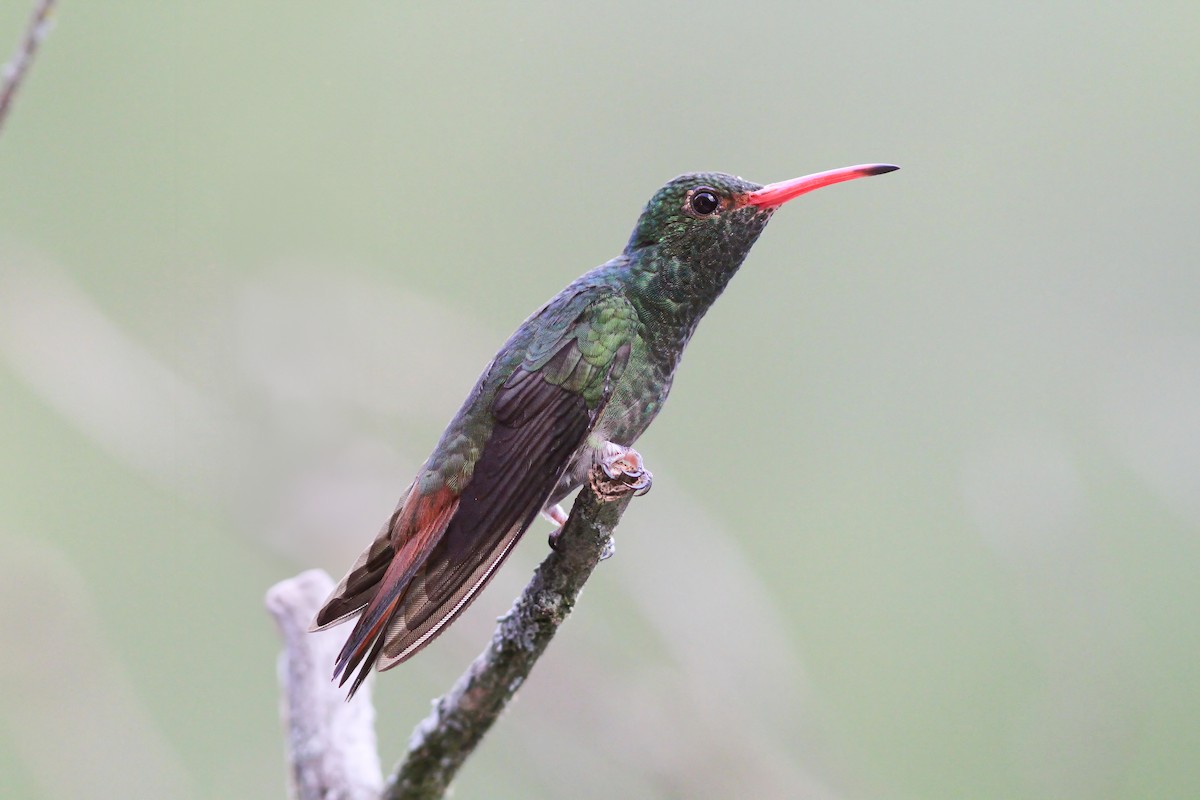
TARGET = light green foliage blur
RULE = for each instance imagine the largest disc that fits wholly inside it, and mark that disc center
(927, 500)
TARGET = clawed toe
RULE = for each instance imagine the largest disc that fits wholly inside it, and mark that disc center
(609, 549)
(622, 472)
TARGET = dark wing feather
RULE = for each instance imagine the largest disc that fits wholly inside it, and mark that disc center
(539, 425)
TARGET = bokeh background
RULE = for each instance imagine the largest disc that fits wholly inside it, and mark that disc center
(927, 492)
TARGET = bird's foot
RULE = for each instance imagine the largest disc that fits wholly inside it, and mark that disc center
(609, 549)
(555, 515)
(620, 471)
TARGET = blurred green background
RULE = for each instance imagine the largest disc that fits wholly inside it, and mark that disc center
(927, 494)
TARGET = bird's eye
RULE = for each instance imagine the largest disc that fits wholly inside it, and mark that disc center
(704, 202)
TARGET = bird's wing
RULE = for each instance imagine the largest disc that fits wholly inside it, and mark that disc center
(443, 546)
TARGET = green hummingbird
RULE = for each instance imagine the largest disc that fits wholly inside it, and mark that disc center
(572, 388)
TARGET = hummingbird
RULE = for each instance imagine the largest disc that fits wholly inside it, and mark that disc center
(572, 389)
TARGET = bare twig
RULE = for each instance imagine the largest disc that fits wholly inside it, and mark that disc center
(331, 742)
(444, 740)
(16, 69)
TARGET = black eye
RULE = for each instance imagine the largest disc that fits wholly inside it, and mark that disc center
(705, 202)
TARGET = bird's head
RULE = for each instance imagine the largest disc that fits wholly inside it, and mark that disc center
(708, 221)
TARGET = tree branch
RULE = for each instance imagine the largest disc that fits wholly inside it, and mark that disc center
(331, 744)
(443, 740)
(17, 67)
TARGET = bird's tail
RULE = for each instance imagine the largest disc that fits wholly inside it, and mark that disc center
(381, 576)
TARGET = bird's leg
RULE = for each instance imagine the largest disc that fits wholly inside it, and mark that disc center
(617, 471)
(620, 472)
(557, 517)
